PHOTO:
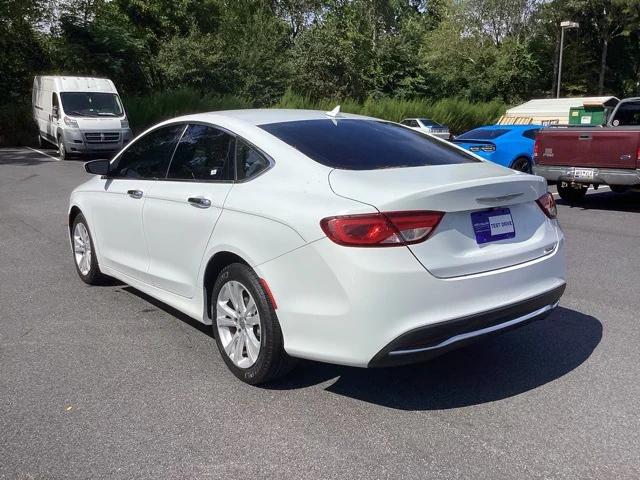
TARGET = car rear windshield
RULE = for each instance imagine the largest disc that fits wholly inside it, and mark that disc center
(351, 144)
(427, 122)
(628, 113)
(483, 134)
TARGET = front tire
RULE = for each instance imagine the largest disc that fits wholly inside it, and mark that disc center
(62, 151)
(247, 330)
(572, 194)
(84, 253)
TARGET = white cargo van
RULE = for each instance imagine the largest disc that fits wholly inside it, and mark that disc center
(79, 114)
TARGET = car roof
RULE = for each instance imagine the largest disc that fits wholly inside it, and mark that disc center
(263, 116)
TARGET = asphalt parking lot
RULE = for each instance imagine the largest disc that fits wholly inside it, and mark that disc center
(105, 382)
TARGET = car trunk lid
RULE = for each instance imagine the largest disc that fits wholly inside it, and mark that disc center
(467, 193)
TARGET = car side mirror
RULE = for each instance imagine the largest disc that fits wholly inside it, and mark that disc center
(54, 112)
(97, 167)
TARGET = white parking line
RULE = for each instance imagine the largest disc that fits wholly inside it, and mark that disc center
(42, 153)
(588, 190)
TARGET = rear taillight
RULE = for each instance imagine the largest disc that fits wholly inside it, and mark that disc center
(388, 229)
(548, 205)
(638, 155)
(536, 148)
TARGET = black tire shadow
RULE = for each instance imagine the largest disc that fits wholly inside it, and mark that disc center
(493, 369)
(607, 200)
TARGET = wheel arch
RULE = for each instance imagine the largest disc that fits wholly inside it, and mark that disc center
(74, 211)
(214, 266)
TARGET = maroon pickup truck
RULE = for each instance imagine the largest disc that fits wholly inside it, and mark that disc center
(576, 157)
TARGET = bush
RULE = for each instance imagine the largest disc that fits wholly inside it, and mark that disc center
(17, 127)
(147, 110)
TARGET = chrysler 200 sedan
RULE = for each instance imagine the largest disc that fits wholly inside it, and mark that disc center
(326, 236)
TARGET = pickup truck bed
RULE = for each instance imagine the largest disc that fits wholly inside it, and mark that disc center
(590, 155)
(576, 157)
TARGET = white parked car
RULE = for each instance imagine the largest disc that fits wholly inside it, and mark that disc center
(331, 237)
(79, 115)
(427, 125)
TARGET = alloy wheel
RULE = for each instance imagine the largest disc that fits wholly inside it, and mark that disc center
(82, 248)
(238, 322)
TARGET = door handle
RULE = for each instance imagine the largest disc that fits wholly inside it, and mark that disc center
(584, 137)
(199, 202)
(135, 193)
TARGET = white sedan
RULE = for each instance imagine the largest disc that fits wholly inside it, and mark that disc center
(333, 237)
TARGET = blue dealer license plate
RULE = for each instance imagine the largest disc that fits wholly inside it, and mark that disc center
(493, 225)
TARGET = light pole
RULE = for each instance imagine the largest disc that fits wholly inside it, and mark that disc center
(563, 25)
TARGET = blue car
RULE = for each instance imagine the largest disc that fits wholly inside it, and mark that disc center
(507, 145)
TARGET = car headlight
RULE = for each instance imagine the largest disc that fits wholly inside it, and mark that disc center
(124, 123)
(70, 122)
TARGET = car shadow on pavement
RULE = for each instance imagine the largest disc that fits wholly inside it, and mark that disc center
(22, 157)
(206, 329)
(606, 200)
(493, 369)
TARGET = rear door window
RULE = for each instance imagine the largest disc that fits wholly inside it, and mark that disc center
(352, 144)
(427, 122)
(531, 134)
(148, 157)
(204, 153)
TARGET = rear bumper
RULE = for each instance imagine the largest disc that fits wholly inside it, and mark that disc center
(430, 341)
(346, 305)
(601, 176)
(442, 135)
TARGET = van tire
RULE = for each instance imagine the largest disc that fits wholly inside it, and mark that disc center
(62, 151)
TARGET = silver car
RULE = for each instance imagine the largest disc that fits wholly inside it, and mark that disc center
(427, 125)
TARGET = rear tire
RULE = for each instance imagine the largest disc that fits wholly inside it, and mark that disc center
(246, 327)
(521, 164)
(572, 194)
(618, 188)
(84, 253)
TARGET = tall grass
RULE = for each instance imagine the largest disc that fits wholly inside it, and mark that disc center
(146, 110)
(459, 115)
(17, 127)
